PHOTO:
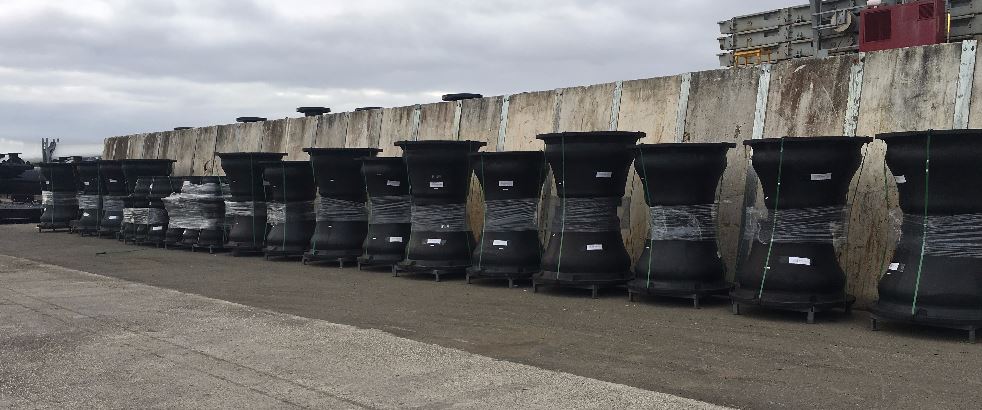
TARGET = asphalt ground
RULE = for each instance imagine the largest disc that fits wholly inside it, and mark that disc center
(76, 340)
(761, 359)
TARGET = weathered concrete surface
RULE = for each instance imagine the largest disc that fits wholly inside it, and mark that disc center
(808, 97)
(650, 106)
(134, 149)
(332, 131)
(759, 360)
(721, 109)
(74, 339)
(180, 145)
(480, 120)
(363, 129)
(274, 136)
(586, 108)
(436, 121)
(397, 125)
(204, 151)
(530, 114)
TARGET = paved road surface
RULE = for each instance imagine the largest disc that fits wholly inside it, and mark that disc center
(758, 360)
(72, 339)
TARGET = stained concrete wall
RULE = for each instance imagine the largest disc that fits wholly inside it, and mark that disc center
(895, 90)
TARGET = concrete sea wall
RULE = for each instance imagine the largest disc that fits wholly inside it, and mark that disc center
(920, 88)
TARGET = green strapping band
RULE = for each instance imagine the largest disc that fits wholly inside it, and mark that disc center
(777, 199)
(647, 197)
(927, 190)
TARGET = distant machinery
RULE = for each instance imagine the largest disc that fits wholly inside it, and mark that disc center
(832, 27)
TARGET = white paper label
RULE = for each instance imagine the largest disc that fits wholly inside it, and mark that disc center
(605, 174)
(47, 182)
(499, 243)
(434, 184)
(799, 261)
(113, 180)
(506, 183)
(821, 177)
(395, 239)
(895, 266)
(393, 183)
(434, 241)
(597, 247)
(113, 217)
(901, 179)
(86, 183)
(85, 214)
(157, 228)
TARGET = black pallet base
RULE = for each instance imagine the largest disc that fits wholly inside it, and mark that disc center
(471, 276)
(593, 287)
(212, 249)
(809, 308)
(340, 261)
(436, 272)
(696, 295)
(874, 325)
(238, 252)
(270, 255)
(58, 229)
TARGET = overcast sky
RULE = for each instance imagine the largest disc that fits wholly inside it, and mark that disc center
(83, 70)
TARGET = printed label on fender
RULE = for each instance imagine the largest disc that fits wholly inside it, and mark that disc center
(799, 261)
(506, 183)
(113, 217)
(86, 183)
(435, 184)
(85, 214)
(499, 243)
(113, 180)
(596, 247)
(393, 183)
(395, 239)
(157, 228)
(897, 267)
(821, 177)
(901, 179)
(604, 174)
(434, 241)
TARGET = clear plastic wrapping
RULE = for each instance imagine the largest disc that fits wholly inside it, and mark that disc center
(59, 199)
(331, 209)
(197, 206)
(390, 210)
(280, 212)
(439, 218)
(111, 204)
(145, 216)
(511, 215)
(952, 236)
(683, 223)
(805, 225)
(246, 208)
(586, 215)
(89, 201)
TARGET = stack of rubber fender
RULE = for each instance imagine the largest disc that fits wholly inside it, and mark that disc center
(410, 214)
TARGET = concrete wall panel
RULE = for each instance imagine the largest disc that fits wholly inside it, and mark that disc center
(274, 135)
(204, 162)
(134, 148)
(397, 125)
(363, 129)
(480, 119)
(529, 114)
(586, 108)
(332, 131)
(808, 97)
(181, 147)
(436, 121)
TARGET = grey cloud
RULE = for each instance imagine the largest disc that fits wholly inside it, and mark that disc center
(88, 69)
